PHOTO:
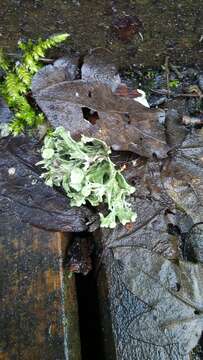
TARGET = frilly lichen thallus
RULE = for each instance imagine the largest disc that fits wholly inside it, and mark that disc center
(87, 174)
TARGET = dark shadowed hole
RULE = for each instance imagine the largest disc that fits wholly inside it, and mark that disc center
(173, 229)
(154, 155)
(90, 115)
(197, 312)
(178, 286)
(89, 319)
(198, 350)
(127, 117)
(91, 336)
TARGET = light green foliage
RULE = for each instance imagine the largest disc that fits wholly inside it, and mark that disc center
(173, 84)
(86, 173)
(4, 64)
(150, 74)
(17, 81)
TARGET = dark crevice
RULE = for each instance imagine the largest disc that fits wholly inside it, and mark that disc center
(89, 319)
(88, 310)
(197, 352)
(79, 70)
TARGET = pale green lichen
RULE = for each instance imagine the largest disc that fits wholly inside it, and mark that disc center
(87, 174)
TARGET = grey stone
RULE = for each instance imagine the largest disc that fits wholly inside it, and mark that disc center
(5, 113)
(200, 82)
(98, 66)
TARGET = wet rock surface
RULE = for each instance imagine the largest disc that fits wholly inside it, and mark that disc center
(5, 113)
(97, 66)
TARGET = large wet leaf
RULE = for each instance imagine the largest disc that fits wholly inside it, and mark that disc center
(156, 214)
(156, 304)
(155, 295)
(183, 176)
(26, 194)
(90, 107)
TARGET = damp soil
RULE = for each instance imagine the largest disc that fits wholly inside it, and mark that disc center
(133, 31)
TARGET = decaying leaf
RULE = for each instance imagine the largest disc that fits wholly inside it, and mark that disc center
(155, 296)
(165, 319)
(27, 195)
(183, 176)
(121, 122)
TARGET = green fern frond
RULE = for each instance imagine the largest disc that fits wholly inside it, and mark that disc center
(38, 52)
(26, 47)
(58, 38)
(33, 52)
(16, 126)
(23, 105)
(4, 63)
(40, 118)
(30, 63)
(52, 41)
(23, 74)
(17, 82)
(19, 102)
(14, 86)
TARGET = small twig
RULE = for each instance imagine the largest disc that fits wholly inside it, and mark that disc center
(18, 56)
(46, 60)
(170, 93)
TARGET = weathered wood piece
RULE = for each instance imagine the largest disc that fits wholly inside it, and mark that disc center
(38, 318)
